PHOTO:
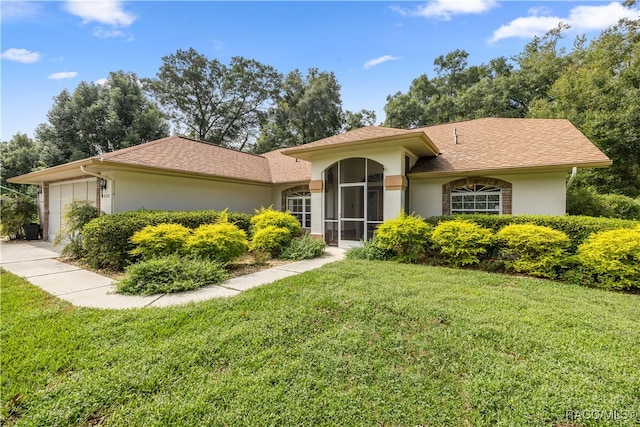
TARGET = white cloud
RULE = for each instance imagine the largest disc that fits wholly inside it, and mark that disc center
(109, 12)
(101, 82)
(378, 61)
(526, 27)
(445, 9)
(63, 75)
(107, 34)
(581, 18)
(588, 18)
(18, 9)
(21, 55)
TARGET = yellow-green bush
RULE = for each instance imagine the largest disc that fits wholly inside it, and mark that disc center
(405, 236)
(269, 217)
(533, 249)
(613, 257)
(461, 242)
(271, 239)
(222, 242)
(160, 240)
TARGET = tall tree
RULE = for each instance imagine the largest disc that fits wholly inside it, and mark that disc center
(599, 91)
(308, 108)
(20, 155)
(211, 101)
(354, 120)
(99, 118)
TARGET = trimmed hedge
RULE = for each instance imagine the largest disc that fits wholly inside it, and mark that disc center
(614, 258)
(107, 242)
(405, 236)
(577, 228)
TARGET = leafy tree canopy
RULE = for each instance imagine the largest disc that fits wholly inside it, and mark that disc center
(98, 118)
(19, 156)
(211, 101)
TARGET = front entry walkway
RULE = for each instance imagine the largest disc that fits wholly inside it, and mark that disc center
(36, 261)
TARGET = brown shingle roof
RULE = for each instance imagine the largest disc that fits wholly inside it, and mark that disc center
(195, 157)
(417, 139)
(287, 169)
(502, 144)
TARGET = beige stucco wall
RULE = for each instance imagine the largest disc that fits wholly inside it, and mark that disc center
(539, 193)
(136, 191)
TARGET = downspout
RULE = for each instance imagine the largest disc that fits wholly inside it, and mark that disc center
(574, 172)
(97, 175)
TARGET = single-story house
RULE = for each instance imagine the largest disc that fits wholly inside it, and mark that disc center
(340, 187)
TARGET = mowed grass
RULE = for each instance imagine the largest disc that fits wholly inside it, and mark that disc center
(355, 343)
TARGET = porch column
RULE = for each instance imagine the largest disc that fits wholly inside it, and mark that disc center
(315, 187)
(394, 187)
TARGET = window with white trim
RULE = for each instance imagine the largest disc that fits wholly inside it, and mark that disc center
(476, 198)
(299, 204)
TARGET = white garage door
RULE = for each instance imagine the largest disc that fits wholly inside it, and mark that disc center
(60, 195)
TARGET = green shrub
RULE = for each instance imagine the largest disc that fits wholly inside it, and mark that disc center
(577, 228)
(369, 250)
(303, 247)
(613, 257)
(269, 217)
(160, 240)
(107, 239)
(76, 215)
(17, 210)
(461, 242)
(405, 236)
(586, 201)
(222, 242)
(622, 206)
(169, 274)
(271, 239)
(533, 249)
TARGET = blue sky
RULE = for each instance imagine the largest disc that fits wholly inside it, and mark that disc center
(375, 48)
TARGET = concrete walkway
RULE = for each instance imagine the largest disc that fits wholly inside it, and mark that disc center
(36, 262)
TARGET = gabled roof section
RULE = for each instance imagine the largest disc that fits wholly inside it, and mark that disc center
(415, 140)
(287, 169)
(495, 144)
(185, 155)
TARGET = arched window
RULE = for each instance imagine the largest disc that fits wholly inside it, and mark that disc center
(299, 204)
(476, 195)
(476, 198)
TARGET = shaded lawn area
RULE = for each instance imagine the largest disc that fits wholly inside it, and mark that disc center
(353, 343)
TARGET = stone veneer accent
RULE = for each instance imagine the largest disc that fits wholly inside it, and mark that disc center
(395, 182)
(503, 185)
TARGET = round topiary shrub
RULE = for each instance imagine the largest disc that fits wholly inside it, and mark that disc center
(613, 257)
(271, 239)
(269, 217)
(461, 242)
(222, 242)
(533, 249)
(159, 240)
(405, 236)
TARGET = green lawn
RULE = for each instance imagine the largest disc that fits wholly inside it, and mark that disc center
(353, 343)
